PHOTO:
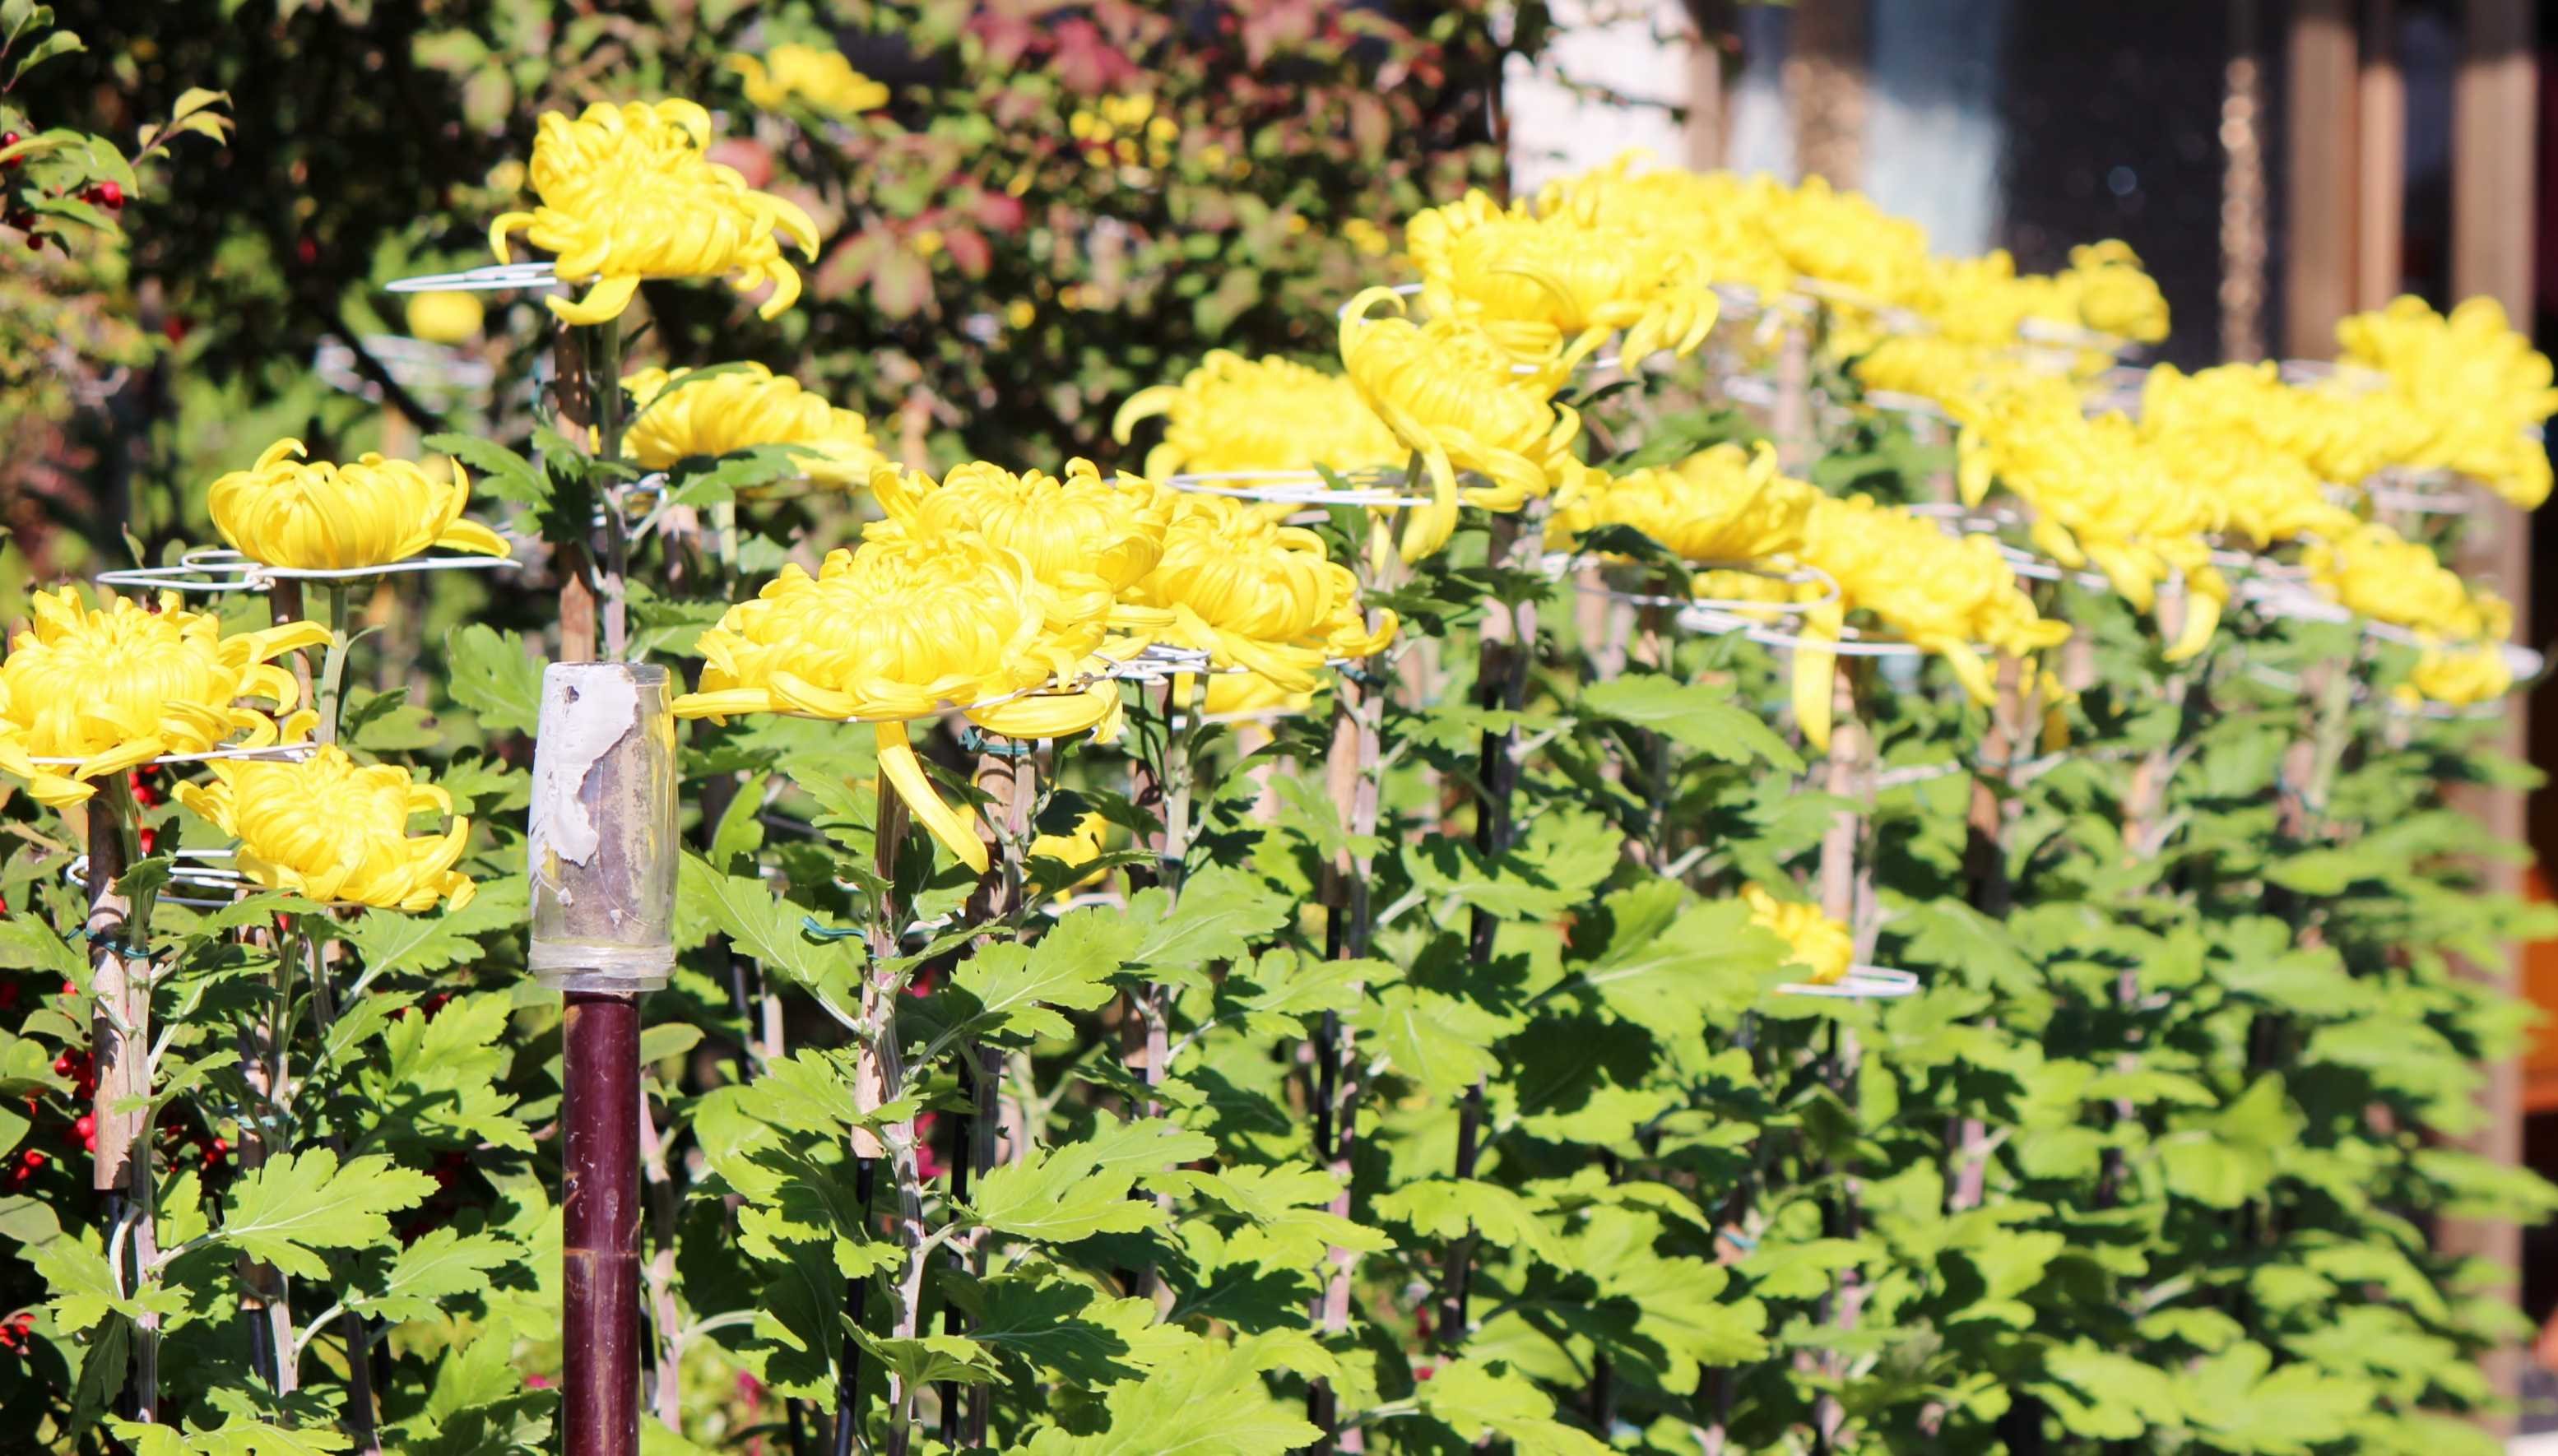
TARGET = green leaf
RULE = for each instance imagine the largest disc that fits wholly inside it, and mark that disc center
(1008, 988)
(1696, 717)
(440, 1264)
(1441, 1042)
(929, 1358)
(1060, 1195)
(495, 675)
(1209, 1403)
(1782, 1270)
(59, 43)
(1222, 912)
(1481, 1400)
(1065, 1328)
(300, 1203)
(1442, 1209)
(503, 473)
(773, 930)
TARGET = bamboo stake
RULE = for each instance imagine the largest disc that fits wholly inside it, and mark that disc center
(602, 849)
(120, 1058)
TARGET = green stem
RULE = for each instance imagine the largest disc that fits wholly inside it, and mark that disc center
(329, 696)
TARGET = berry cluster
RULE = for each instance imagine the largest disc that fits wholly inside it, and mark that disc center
(107, 194)
(13, 1331)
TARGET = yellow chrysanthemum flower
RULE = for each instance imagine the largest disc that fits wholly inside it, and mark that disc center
(2239, 434)
(2458, 677)
(2112, 294)
(899, 629)
(1722, 504)
(1079, 533)
(119, 685)
(2376, 573)
(335, 830)
(745, 405)
(1562, 277)
(312, 515)
(445, 316)
(627, 194)
(1234, 415)
(1818, 944)
(1253, 594)
(1451, 392)
(2479, 386)
(2101, 497)
(820, 80)
(1950, 597)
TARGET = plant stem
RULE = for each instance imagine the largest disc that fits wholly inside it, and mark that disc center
(1350, 775)
(326, 696)
(1506, 648)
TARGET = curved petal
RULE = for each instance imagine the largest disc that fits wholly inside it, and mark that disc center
(905, 772)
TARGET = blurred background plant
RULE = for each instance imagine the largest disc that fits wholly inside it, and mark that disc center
(1029, 210)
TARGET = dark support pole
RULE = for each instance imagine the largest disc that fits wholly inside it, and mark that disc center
(602, 850)
(599, 1215)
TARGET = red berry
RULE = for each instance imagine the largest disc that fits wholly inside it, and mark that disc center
(107, 194)
(149, 838)
(35, 242)
(63, 1065)
(9, 139)
(90, 1143)
(86, 1124)
(32, 1158)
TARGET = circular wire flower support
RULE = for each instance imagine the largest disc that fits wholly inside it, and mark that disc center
(413, 364)
(1716, 616)
(1373, 488)
(202, 870)
(1862, 984)
(212, 570)
(487, 278)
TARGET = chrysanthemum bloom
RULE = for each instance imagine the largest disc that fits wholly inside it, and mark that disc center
(675, 416)
(2215, 429)
(1562, 277)
(821, 80)
(443, 315)
(119, 685)
(312, 515)
(1233, 413)
(1949, 596)
(1816, 942)
(2478, 386)
(1079, 533)
(2376, 573)
(1718, 215)
(2101, 497)
(2112, 294)
(899, 629)
(1723, 505)
(2458, 676)
(335, 830)
(627, 194)
(1256, 594)
(1453, 393)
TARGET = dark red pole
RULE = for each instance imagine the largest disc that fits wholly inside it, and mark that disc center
(600, 1214)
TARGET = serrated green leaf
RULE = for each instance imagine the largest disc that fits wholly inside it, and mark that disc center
(298, 1204)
